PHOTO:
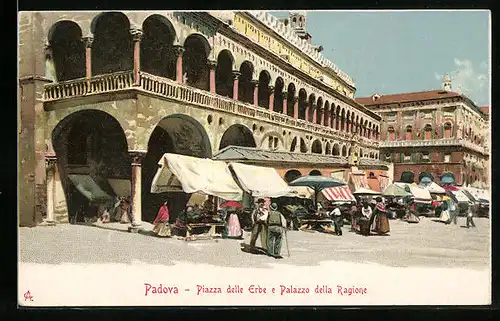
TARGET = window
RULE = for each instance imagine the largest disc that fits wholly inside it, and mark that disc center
(270, 145)
(425, 157)
(447, 157)
(391, 134)
(387, 157)
(391, 117)
(409, 132)
(407, 157)
(427, 132)
(447, 130)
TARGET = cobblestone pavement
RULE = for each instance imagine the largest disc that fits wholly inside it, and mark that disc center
(429, 243)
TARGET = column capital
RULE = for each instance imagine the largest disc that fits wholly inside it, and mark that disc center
(178, 50)
(313, 105)
(50, 160)
(47, 50)
(295, 99)
(236, 74)
(271, 89)
(137, 156)
(284, 94)
(87, 41)
(212, 64)
(254, 82)
(136, 34)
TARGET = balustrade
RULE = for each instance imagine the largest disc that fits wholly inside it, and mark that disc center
(170, 89)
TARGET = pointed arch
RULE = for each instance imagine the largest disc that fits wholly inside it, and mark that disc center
(224, 73)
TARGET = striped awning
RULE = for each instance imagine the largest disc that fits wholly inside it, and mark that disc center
(339, 193)
(358, 180)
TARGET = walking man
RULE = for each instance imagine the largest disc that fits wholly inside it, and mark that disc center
(470, 215)
(337, 220)
(259, 218)
(453, 212)
(276, 223)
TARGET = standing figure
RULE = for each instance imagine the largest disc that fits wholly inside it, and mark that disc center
(453, 211)
(162, 225)
(103, 214)
(381, 219)
(276, 223)
(124, 211)
(233, 227)
(411, 216)
(470, 217)
(354, 212)
(445, 214)
(259, 218)
(337, 220)
(364, 222)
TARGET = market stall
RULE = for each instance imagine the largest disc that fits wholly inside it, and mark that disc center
(179, 173)
(260, 181)
(93, 196)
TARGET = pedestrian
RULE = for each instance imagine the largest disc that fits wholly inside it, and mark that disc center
(276, 223)
(354, 212)
(161, 222)
(470, 217)
(337, 220)
(381, 220)
(103, 214)
(453, 211)
(445, 214)
(364, 222)
(411, 216)
(259, 219)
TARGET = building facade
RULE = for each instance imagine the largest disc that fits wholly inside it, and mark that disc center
(105, 94)
(437, 134)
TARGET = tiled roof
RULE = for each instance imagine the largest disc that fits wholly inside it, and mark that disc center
(407, 97)
(238, 153)
(485, 110)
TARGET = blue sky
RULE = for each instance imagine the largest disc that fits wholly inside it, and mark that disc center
(406, 51)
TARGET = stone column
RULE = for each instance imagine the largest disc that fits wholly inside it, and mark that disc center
(50, 167)
(306, 116)
(88, 56)
(323, 117)
(296, 107)
(255, 84)
(212, 65)
(178, 51)
(136, 197)
(137, 37)
(236, 76)
(315, 113)
(284, 94)
(271, 98)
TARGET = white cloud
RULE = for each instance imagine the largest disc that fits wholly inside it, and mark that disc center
(474, 83)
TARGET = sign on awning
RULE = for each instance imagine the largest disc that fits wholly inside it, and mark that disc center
(195, 175)
(89, 188)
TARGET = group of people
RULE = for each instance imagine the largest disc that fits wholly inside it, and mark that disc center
(368, 219)
(270, 224)
(118, 211)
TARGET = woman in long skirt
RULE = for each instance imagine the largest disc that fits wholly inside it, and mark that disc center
(233, 227)
(445, 214)
(162, 226)
(382, 225)
(411, 217)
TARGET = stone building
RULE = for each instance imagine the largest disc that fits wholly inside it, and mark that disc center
(105, 94)
(438, 133)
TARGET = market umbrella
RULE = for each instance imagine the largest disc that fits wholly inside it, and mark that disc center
(231, 204)
(395, 191)
(365, 191)
(317, 183)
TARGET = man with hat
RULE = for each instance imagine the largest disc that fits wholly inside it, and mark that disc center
(259, 218)
(276, 222)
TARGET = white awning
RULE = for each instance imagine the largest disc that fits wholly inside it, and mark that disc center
(435, 188)
(195, 175)
(461, 197)
(300, 191)
(420, 194)
(478, 193)
(121, 187)
(260, 181)
(366, 191)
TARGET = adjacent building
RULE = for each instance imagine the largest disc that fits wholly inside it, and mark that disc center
(440, 134)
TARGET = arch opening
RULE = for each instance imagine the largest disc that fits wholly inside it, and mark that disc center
(292, 175)
(194, 61)
(237, 135)
(263, 92)
(245, 87)
(68, 50)
(157, 55)
(224, 74)
(317, 148)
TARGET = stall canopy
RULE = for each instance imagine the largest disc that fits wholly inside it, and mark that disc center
(478, 193)
(434, 188)
(260, 181)
(89, 188)
(300, 191)
(461, 196)
(365, 191)
(195, 175)
(121, 187)
(420, 194)
(338, 194)
(358, 180)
